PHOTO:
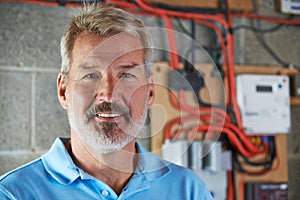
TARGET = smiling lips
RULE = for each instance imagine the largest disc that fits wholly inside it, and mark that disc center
(108, 112)
(108, 115)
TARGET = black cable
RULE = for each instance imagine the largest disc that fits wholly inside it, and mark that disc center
(269, 30)
(231, 113)
(251, 28)
(237, 164)
(210, 50)
(214, 52)
(185, 31)
(224, 4)
(181, 27)
(272, 155)
(243, 170)
(193, 35)
(189, 65)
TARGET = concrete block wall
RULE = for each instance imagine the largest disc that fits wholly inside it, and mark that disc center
(30, 114)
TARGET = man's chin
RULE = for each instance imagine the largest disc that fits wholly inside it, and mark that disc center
(110, 146)
(108, 126)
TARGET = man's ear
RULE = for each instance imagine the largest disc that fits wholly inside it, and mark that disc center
(61, 90)
(151, 92)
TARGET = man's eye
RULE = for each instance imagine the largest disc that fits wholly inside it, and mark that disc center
(93, 75)
(127, 75)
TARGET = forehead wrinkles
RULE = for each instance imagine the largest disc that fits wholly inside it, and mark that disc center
(114, 47)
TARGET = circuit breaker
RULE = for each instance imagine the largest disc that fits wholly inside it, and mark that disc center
(264, 102)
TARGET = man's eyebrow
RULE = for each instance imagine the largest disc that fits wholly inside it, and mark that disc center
(86, 66)
(129, 65)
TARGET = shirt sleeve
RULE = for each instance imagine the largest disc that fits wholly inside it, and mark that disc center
(5, 195)
(205, 194)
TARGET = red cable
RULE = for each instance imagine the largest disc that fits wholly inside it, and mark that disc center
(244, 139)
(206, 118)
(231, 72)
(230, 189)
(229, 14)
(196, 110)
(232, 84)
(174, 61)
(223, 47)
(171, 123)
(174, 101)
(231, 136)
(213, 128)
(183, 15)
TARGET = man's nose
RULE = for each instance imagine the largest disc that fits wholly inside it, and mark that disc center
(105, 89)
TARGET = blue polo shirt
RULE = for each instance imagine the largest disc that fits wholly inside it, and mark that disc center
(55, 176)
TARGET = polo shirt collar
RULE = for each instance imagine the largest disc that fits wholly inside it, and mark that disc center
(59, 164)
(150, 165)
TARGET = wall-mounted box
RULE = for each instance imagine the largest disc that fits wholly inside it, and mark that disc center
(264, 102)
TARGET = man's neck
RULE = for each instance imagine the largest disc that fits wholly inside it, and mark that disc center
(115, 169)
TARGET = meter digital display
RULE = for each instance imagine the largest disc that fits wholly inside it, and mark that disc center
(264, 88)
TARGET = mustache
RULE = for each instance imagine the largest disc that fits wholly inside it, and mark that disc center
(106, 106)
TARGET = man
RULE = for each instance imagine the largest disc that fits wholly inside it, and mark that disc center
(106, 87)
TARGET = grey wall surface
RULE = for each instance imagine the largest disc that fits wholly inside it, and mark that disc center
(30, 114)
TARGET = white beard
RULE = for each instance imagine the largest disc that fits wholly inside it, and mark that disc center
(106, 141)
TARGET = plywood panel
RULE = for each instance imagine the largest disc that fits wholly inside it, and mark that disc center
(162, 110)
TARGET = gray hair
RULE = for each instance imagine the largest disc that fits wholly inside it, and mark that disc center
(104, 22)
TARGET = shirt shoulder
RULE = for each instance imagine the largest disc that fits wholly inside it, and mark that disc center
(185, 174)
(23, 178)
(23, 171)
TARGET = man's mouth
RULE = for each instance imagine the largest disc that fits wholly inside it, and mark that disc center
(108, 112)
(115, 117)
(108, 115)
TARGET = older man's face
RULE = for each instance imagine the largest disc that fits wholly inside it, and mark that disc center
(108, 92)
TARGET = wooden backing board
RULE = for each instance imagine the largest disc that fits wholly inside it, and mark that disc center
(272, 70)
